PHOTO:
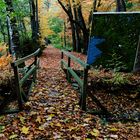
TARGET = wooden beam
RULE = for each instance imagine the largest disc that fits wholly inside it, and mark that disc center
(79, 81)
(21, 60)
(82, 63)
(27, 75)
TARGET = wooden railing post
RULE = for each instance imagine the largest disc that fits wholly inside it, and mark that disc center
(18, 89)
(68, 73)
(71, 73)
(34, 75)
(84, 89)
(62, 56)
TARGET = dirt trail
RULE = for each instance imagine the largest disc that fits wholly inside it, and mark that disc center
(53, 113)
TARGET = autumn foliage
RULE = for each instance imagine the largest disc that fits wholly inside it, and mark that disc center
(5, 70)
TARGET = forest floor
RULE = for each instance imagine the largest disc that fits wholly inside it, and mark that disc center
(52, 111)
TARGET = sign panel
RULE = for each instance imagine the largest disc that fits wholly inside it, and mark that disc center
(93, 51)
(114, 41)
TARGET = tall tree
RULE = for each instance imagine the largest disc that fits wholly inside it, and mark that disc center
(15, 33)
(68, 10)
(120, 5)
(33, 19)
(78, 21)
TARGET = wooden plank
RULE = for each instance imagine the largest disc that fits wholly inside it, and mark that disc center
(82, 63)
(62, 55)
(64, 63)
(20, 61)
(84, 90)
(27, 75)
(80, 82)
(68, 73)
(3, 112)
(18, 89)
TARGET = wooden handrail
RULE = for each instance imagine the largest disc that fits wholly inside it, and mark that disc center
(21, 82)
(82, 63)
(21, 60)
(31, 70)
(70, 72)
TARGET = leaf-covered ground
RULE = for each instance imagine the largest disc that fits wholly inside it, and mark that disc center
(53, 113)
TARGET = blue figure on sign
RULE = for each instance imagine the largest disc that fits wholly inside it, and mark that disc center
(93, 51)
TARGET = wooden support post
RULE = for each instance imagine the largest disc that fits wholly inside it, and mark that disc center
(71, 73)
(84, 90)
(18, 88)
(35, 73)
(68, 73)
(136, 67)
(62, 56)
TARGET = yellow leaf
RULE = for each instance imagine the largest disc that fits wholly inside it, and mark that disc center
(50, 116)
(95, 133)
(38, 119)
(25, 130)
(72, 128)
(58, 124)
(13, 136)
(113, 129)
(51, 124)
(22, 119)
(41, 128)
(33, 113)
(87, 119)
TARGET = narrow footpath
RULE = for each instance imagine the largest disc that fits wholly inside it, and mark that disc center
(53, 113)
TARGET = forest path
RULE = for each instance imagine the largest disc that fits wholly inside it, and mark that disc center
(55, 102)
(52, 111)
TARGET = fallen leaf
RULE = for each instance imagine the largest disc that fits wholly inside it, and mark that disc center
(33, 113)
(58, 124)
(1, 117)
(113, 129)
(38, 119)
(13, 136)
(25, 130)
(41, 128)
(87, 119)
(50, 117)
(22, 119)
(3, 137)
(95, 132)
(114, 136)
(2, 128)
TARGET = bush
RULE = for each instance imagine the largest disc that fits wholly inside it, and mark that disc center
(5, 68)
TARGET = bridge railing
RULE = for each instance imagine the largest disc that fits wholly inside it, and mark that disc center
(23, 77)
(82, 82)
(29, 72)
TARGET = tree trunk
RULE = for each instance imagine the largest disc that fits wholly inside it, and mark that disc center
(2, 31)
(85, 41)
(33, 17)
(15, 33)
(84, 29)
(68, 11)
(80, 23)
(64, 40)
(77, 31)
(73, 35)
(120, 5)
(37, 21)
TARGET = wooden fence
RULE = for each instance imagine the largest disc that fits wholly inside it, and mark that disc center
(29, 74)
(82, 82)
